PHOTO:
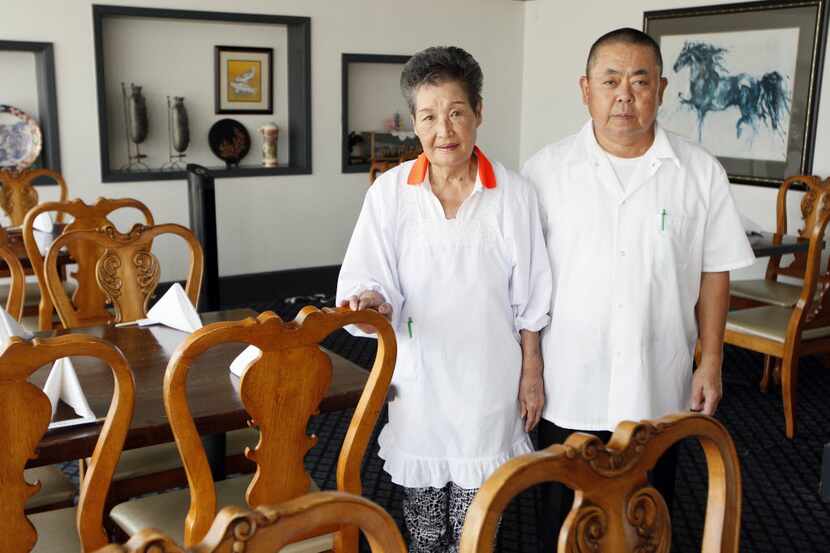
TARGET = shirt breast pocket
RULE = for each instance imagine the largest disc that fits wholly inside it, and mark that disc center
(674, 238)
(410, 357)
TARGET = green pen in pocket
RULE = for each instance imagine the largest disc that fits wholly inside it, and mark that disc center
(409, 326)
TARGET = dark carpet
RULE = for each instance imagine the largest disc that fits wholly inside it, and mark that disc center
(782, 507)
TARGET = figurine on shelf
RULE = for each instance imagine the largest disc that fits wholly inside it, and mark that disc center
(269, 132)
(394, 123)
(136, 125)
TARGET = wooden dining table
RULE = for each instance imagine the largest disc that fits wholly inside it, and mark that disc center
(212, 388)
(767, 244)
(15, 242)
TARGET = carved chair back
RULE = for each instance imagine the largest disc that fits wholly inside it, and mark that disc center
(280, 390)
(18, 193)
(20, 435)
(88, 298)
(615, 508)
(17, 286)
(127, 271)
(269, 528)
(813, 204)
(812, 310)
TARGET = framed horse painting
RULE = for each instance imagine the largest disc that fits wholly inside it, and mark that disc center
(744, 81)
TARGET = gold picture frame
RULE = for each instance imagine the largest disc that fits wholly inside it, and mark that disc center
(244, 80)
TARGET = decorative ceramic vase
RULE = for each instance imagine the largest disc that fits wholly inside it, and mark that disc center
(138, 115)
(181, 128)
(269, 132)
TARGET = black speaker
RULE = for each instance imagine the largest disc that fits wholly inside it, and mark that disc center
(825, 474)
(201, 197)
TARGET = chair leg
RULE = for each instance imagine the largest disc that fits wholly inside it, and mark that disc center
(776, 372)
(346, 540)
(789, 379)
(768, 360)
(83, 466)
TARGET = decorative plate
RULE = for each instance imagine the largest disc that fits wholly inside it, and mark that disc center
(229, 141)
(20, 139)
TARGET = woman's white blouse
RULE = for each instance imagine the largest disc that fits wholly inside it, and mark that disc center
(460, 290)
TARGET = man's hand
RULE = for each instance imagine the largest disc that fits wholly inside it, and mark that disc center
(368, 299)
(707, 388)
(531, 383)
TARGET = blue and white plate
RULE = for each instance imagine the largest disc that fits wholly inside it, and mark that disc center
(20, 139)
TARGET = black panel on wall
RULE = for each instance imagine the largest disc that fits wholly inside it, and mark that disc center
(47, 100)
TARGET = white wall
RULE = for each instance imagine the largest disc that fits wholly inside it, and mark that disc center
(556, 41)
(374, 96)
(18, 87)
(273, 223)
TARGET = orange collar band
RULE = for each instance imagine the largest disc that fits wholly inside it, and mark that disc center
(485, 169)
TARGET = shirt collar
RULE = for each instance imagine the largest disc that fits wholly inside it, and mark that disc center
(486, 175)
(660, 150)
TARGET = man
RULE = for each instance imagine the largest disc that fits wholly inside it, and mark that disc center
(642, 233)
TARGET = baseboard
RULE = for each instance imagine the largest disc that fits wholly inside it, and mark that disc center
(247, 289)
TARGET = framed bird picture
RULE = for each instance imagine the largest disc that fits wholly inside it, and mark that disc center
(244, 80)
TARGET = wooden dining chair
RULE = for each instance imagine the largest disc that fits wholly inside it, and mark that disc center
(18, 193)
(280, 390)
(87, 296)
(56, 490)
(25, 413)
(16, 296)
(267, 529)
(127, 272)
(771, 290)
(783, 334)
(615, 508)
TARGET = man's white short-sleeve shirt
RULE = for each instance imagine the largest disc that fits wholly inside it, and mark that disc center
(626, 274)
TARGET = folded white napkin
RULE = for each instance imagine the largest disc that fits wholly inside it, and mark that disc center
(248, 355)
(174, 310)
(43, 242)
(43, 222)
(63, 384)
(10, 327)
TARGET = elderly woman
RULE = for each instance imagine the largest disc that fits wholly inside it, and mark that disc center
(450, 248)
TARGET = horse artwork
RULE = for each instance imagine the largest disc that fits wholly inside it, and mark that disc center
(713, 89)
(736, 101)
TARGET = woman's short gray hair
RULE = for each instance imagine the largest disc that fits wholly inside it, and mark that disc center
(438, 65)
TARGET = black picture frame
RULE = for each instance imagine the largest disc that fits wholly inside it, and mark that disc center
(704, 98)
(299, 90)
(219, 90)
(346, 60)
(50, 155)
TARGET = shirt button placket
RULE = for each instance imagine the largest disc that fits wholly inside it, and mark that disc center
(618, 318)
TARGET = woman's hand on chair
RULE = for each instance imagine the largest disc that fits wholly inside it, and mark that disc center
(368, 299)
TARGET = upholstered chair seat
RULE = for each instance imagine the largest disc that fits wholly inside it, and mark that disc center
(766, 291)
(55, 487)
(769, 322)
(165, 512)
(144, 461)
